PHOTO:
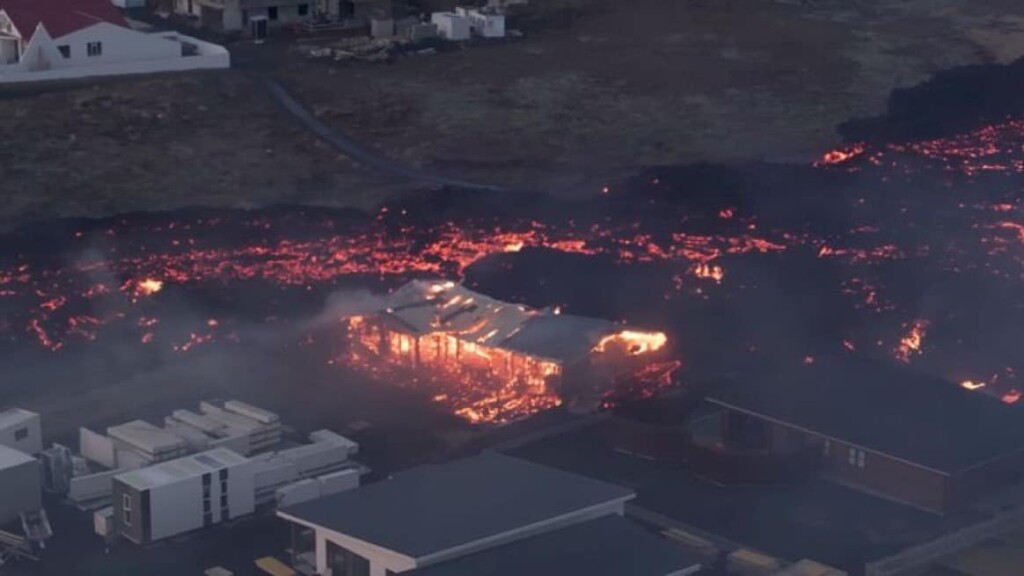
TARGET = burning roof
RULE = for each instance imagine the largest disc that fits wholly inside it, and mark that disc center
(425, 307)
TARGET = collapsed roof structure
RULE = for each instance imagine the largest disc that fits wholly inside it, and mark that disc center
(512, 360)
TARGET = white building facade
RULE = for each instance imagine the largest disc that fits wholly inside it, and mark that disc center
(182, 495)
(63, 39)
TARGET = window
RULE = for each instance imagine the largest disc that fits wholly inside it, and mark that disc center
(65, 50)
(856, 458)
(22, 433)
(272, 12)
(126, 509)
(94, 49)
(343, 562)
(245, 16)
(303, 9)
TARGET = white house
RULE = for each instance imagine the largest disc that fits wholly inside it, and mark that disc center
(468, 516)
(61, 39)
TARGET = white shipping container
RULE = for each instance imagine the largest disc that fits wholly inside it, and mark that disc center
(297, 493)
(250, 411)
(338, 482)
(96, 448)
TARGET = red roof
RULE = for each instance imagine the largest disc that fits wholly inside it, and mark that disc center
(60, 17)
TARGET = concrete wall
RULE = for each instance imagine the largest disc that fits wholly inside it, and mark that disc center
(31, 430)
(20, 490)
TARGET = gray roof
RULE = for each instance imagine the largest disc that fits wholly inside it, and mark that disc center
(436, 507)
(607, 546)
(560, 337)
(885, 408)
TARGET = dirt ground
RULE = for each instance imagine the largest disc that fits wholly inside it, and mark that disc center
(565, 109)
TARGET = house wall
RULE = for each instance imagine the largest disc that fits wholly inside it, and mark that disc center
(187, 8)
(118, 45)
(210, 57)
(9, 50)
(20, 490)
(178, 507)
(880, 474)
(137, 528)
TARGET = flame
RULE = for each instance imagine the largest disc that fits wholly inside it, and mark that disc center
(634, 343)
(148, 287)
(972, 385)
(710, 272)
(910, 344)
(841, 155)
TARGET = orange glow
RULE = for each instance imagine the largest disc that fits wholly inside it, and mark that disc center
(148, 287)
(634, 343)
(709, 272)
(478, 383)
(972, 385)
(839, 156)
(1012, 397)
(910, 344)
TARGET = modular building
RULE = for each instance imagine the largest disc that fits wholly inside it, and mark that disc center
(182, 495)
(476, 515)
(21, 430)
(881, 428)
(21, 484)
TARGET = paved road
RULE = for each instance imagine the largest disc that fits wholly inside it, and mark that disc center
(358, 153)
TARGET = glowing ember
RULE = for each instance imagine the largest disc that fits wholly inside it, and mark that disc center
(910, 344)
(839, 156)
(1012, 397)
(972, 385)
(634, 343)
(148, 287)
(710, 272)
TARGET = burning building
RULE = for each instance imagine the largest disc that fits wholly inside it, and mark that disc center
(495, 361)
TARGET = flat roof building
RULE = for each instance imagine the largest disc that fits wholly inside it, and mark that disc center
(882, 428)
(437, 513)
(182, 495)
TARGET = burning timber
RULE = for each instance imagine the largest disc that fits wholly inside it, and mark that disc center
(494, 361)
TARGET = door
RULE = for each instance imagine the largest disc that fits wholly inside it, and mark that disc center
(258, 27)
